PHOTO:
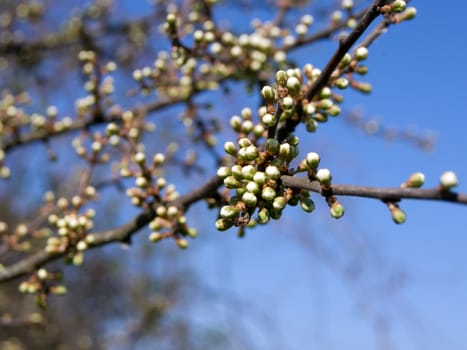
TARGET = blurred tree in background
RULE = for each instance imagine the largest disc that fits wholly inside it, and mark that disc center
(118, 117)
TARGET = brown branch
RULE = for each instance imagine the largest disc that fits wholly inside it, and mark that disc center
(119, 234)
(392, 194)
(344, 46)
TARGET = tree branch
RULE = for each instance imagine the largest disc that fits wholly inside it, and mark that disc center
(392, 194)
(119, 234)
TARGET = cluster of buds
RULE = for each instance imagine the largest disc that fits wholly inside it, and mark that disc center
(72, 227)
(171, 222)
(41, 284)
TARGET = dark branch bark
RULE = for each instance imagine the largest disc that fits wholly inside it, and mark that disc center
(392, 194)
(119, 234)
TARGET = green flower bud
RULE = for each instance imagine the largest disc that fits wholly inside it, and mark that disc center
(324, 176)
(229, 148)
(311, 125)
(182, 243)
(244, 142)
(345, 60)
(287, 103)
(325, 92)
(251, 153)
(362, 87)
(398, 6)
(281, 78)
(155, 237)
(231, 182)
(258, 131)
(309, 108)
(249, 199)
(341, 83)
(58, 290)
(272, 146)
(307, 205)
(260, 178)
(312, 160)
(337, 210)
(334, 111)
(324, 104)
(229, 212)
(236, 123)
(285, 151)
(223, 224)
(275, 214)
(293, 85)
(252, 187)
(361, 53)
(263, 216)
(408, 14)
(223, 172)
(279, 203)
(247, 126)
(398, 215)
(415, 180)
(268, 119)
(237, 171)
(268, 193)
(273, 172)
(448, 180)
(248, 172)
(268, 93)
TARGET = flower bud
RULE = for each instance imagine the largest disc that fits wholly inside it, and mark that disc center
(312, 160)
(281, 78)
(263, 216)
(260, 178)
(236, 123)
(337, 210)
(279, 203)
(448, 180)
(307, 205)
(229, 148)
(182, 243)
(268, 193)
(155, 237)
(268, 93)
(231, 182)
(248, 172)
(324, 176)
(268, 119)
(398, 6)
(341, 83)
(223, 224)
(223, 172)
(408, 14)
(272, 172)
(415, 180)
(251, 153)
(272, 146)
(361, 53)
(249, 199)
(252, 187)
(287, 103)
(293, 85)
(398, 215)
